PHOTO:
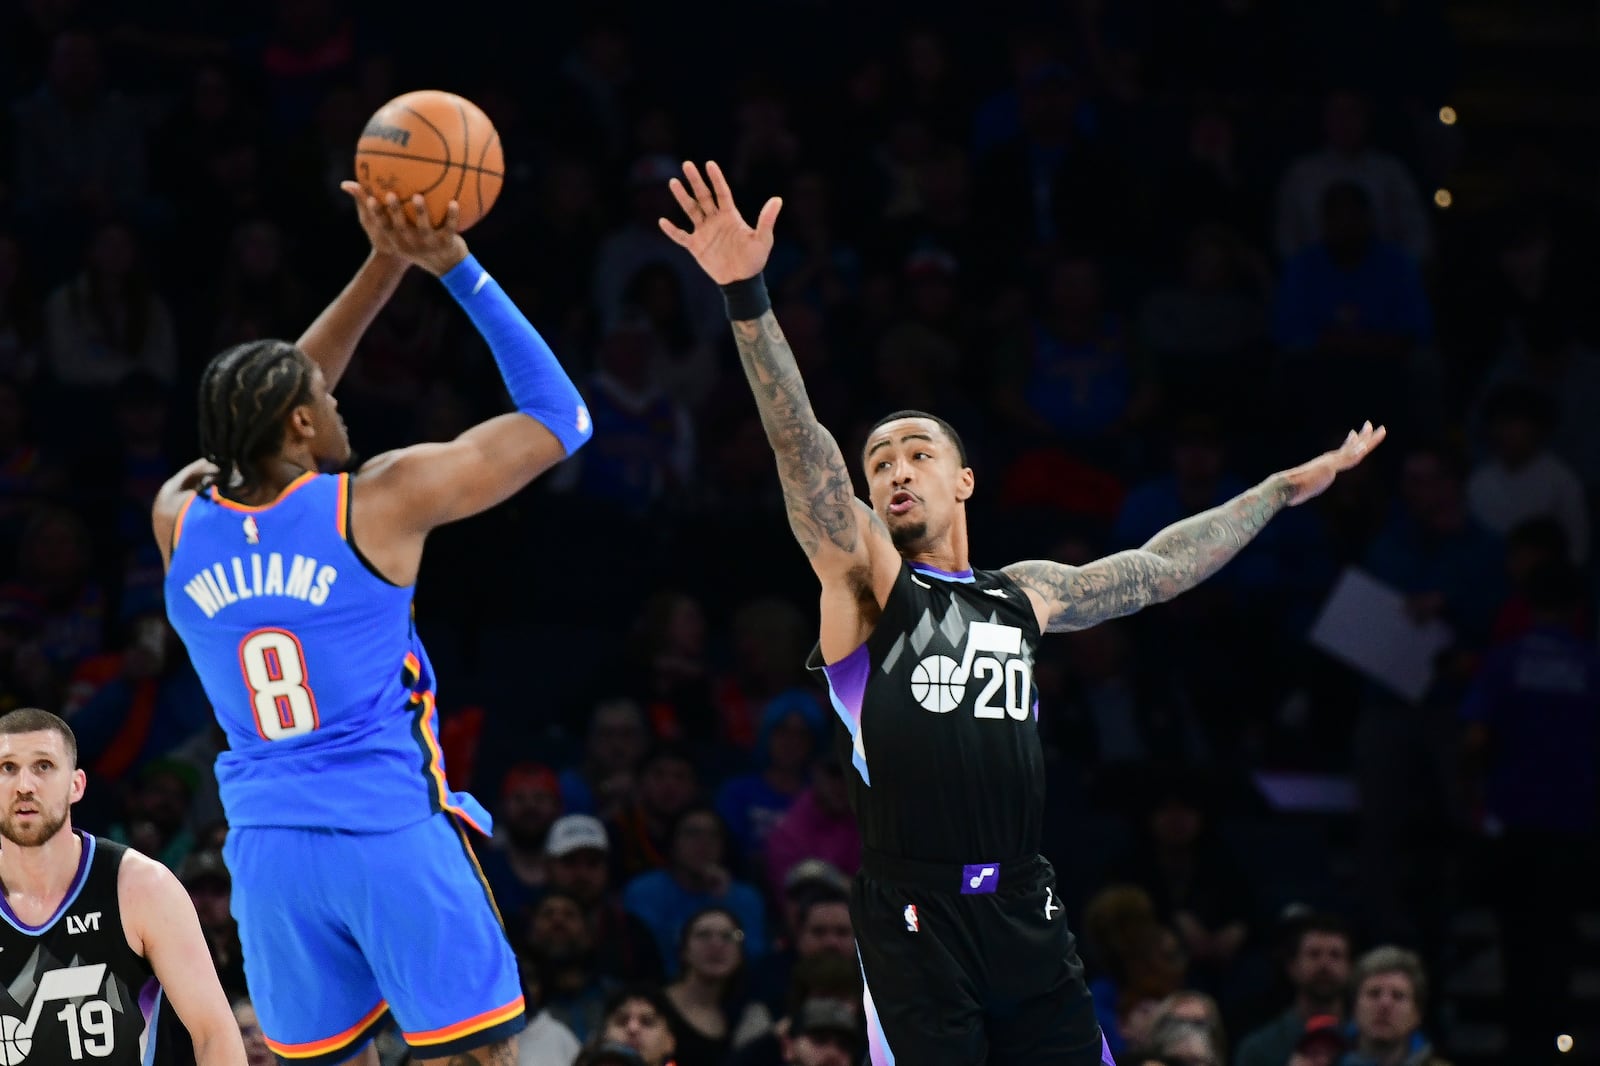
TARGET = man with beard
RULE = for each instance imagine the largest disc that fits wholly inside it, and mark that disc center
(966, 954)
(530, 800)
(122, 919)
(578, 854)
(1317, 963)
(561, 951)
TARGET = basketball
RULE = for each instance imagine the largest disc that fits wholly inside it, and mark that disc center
(434, 143)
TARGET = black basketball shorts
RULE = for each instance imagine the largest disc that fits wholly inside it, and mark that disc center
(969, 966)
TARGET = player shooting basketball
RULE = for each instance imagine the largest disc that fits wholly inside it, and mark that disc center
(930, 665)
(356, 891)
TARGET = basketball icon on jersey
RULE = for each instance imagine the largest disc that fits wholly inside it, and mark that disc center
(992, 661)
(913, 923)
(252, 532)
(938, 683)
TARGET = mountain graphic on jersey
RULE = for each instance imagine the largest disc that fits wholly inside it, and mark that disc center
(963, 646)
(940, 720)
(73, 1011)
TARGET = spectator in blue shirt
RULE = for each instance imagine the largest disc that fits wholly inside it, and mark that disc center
(790, 732)
(697, 877)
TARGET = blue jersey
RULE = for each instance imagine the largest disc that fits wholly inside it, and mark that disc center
(312, 665)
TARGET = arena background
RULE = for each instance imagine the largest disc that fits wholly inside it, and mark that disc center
(1090, 234)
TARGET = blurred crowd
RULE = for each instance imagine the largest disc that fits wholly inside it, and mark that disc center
(1141, 254)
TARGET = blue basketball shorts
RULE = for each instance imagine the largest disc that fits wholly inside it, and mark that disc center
(339, 930)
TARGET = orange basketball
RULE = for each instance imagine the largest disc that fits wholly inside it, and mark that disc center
(434, 143)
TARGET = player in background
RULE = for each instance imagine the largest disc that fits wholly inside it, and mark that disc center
(355, 886)
(97, 939)
(930, 667)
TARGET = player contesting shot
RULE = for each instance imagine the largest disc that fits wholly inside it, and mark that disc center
(355, 887)
(98, 940)
(964, 952)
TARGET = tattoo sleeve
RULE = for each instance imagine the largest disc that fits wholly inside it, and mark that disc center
(1175, 560)
(816, 482)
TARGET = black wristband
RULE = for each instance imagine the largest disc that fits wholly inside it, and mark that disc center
(746, 300)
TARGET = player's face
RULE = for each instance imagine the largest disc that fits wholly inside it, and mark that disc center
(916, 481)
(827, 928)
(331, 443)
(637, 1024)
(38, 786)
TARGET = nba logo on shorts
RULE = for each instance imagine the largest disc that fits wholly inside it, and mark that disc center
(912, 923)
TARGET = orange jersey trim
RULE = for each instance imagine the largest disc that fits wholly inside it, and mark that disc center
(342, 513)
(486, 1020)
(218, 498)
(313, 1048)
(177, 525)
(472, 857)
(435, 768)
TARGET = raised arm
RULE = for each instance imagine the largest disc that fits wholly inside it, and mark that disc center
(401, 495)
(1182, 555)
(331, 340)
(838, 532)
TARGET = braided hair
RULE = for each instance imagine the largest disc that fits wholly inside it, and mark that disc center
(246, 393)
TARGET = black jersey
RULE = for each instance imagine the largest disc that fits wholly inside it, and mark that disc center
(942, 721)
(70, 989)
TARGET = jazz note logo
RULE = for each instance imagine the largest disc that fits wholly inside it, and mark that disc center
(979, 879)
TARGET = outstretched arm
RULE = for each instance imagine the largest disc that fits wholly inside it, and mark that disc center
(824, 513)
(831, 524)
(1182, 555)
(428, 485)
(331, 340)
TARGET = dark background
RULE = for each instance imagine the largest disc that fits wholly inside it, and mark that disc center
(1079, 231)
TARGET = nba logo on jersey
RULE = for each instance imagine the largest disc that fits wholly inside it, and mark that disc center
(912, 923)
(252, 532)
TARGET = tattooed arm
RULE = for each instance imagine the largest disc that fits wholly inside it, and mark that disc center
(840, 534)
(1182, 555)
(1175, 560)
(824, 512)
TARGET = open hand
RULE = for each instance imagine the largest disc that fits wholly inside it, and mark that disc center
(434, 249)
(726, 248)
(1312, 479)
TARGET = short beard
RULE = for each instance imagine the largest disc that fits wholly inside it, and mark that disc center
(41, 833)
(907, 537)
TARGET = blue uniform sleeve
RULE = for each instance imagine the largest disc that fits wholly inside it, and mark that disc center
(533, 375)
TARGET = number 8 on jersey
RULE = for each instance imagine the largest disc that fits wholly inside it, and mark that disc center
(274, 668)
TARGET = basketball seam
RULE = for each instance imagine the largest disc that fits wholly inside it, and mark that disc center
(442, 140)
(466, 151)
(478, 171)
(425, 159)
